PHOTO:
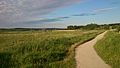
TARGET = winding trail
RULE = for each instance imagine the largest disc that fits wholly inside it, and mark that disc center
(86, 56)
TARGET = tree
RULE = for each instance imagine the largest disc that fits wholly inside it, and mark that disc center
(91, 26)
(70, 27)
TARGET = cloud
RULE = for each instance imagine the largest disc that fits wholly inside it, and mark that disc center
(84, 14)
(104, 9)
(114, 2)
(39, 21)
(42, 21)
(96, 12)
(46, 20)
(12, 11)
(64, 17)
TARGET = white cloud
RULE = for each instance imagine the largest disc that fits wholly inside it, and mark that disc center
(12, 11)
(104, 9)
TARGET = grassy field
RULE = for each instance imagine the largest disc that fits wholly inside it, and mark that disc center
(40, 49)
(109, 49)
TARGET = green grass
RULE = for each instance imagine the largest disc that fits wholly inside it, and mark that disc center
(40, 49)
(109, 49)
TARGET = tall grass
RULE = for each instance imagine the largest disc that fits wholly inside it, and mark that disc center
(109, 49)
(39, 49)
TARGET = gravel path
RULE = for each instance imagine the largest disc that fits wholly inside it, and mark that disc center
(86, 56)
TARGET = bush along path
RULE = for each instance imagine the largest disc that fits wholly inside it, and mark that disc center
(86, 56)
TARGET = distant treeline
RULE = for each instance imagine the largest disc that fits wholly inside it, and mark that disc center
(28, 29)
(93, 26)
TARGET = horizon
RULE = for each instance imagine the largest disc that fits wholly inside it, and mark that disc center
(57, 14)
(55, 27)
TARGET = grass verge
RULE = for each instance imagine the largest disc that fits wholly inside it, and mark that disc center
(109, 49)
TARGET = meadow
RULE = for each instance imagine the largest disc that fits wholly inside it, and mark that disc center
(41, 49)
(109, 49)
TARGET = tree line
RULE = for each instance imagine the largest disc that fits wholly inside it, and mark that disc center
(94, 26)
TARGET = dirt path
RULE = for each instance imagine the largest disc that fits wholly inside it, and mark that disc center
(86, 56)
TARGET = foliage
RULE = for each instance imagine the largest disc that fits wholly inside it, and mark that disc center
(94, 26)
(40, 49)
(109, 49)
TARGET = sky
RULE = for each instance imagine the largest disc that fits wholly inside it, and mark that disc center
(57, 13)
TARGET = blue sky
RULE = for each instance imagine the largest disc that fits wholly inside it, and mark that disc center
(57, 13)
